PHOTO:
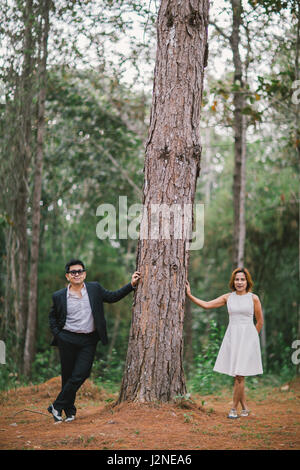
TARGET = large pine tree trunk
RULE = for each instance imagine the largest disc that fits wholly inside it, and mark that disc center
(297, 136)
(154, 369)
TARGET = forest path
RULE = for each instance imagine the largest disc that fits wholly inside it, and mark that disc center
(274, 422)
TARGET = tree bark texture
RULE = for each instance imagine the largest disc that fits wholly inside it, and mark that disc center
(154, 368)
(239, 179)
(297, 136)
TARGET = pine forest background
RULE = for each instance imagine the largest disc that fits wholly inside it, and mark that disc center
(76, 90)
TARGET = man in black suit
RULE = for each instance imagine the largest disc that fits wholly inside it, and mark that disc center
(77, 323)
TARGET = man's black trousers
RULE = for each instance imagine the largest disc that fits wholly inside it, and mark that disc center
(77, 352)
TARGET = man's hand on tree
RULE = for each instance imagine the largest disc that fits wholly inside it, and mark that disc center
(135, 278)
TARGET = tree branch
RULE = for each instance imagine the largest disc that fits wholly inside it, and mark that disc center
(31, 411)
(220, 30)
(122, 170)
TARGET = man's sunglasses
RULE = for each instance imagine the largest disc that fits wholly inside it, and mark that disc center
(74, 272)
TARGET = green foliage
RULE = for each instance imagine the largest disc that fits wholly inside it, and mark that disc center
(108, 375)
(274, 6)
(223, 91)
(10, 376)
(204, 380)
(46, 365)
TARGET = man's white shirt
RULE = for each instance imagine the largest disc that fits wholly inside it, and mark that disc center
(79, 313)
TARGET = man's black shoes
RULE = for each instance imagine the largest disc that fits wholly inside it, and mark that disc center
(55, 413)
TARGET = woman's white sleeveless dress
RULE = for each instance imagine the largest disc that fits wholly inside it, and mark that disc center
(240, 353)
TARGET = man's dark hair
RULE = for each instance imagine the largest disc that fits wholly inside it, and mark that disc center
(72, 262)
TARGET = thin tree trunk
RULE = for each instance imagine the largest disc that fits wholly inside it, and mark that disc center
(239, 179)
(36, 210)
(14, 282)
(22, 166)
(10, 297)
(7, 297)
(154, 364)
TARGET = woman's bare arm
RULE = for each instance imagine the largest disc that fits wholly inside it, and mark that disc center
(218, 302)
(258, 313)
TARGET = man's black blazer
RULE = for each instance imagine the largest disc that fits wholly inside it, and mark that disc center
(97, 295)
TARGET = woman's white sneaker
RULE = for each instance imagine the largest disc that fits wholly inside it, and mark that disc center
(232, 414)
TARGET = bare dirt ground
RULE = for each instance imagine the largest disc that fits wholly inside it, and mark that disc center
(197, 424)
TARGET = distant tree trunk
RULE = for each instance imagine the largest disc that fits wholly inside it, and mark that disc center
(154, 368)
(23, 158)
(8, 287)
(239, 179)
(37, 192)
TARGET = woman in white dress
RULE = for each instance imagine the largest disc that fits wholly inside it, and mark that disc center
(239, 354)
